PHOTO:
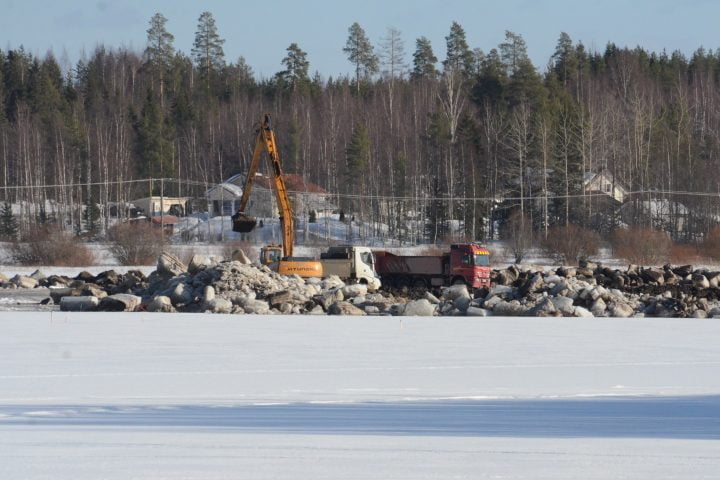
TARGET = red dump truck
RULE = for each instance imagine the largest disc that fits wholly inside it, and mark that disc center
(467, 263)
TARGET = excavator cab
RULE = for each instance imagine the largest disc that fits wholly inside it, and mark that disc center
(270, 254)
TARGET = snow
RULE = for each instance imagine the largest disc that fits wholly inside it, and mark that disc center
(183, 396)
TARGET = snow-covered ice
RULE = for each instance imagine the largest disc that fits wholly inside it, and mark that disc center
(87, 396)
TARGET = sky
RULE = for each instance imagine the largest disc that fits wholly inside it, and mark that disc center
(261, 31)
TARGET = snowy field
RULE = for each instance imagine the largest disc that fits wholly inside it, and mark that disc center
(173, 396)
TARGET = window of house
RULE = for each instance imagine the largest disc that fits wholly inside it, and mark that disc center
(608, 188)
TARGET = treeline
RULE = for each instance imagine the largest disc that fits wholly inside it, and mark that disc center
(473, 138)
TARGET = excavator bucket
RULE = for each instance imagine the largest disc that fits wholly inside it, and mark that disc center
(243, 223)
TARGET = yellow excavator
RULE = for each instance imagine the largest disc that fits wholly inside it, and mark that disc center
(279, 258)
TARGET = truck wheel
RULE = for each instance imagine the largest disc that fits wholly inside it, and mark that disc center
(458, 281)
(403, 282)
(419, 283)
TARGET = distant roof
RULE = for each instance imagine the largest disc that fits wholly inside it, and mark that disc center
(229, 187)
(294, 182)
(165, 219)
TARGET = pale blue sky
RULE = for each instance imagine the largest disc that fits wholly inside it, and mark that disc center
(261, 30)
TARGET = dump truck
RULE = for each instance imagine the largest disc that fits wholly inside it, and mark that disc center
(467, 263)
(351, 263)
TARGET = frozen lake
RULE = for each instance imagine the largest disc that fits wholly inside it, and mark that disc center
(87, 396)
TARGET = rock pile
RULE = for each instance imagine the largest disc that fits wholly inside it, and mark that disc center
(207, 284)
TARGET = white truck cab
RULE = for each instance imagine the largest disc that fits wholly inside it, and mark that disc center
(351, 263)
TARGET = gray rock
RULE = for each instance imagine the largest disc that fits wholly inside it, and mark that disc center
(477, 312)
(431, 298)
(161, 303)
(461, 303)
(699, 281)
(38, 275)
(316, 310)
(503, 291)
(621, 309)
(120, 302)
(21, 281)
(239, 256)
(329, 297)
(544, 308)
(181, 294)
(419, 308)
(533, 284)
(358, 289)
(509, 309)
(219, 305)
(208, 294)
(564, 305)
(371, 310)
(598, 307)
(199, 262)
(699, 314)
(256, 306)
(344, 308)
(79, 304)
(92, 290)
(169, 264)
(582, 312)
(455, 291)
(58, 293)
(491, 302)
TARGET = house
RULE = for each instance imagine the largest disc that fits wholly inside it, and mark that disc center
(156, 205)
(663, 214)
(304, 196)
(224, 199)
(604, 183)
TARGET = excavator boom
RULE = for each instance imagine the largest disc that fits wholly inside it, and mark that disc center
(244, 223)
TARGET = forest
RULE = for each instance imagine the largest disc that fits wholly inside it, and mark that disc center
(439, 134)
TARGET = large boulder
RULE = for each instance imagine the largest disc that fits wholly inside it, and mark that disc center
(700, 281)
(58, 293)
(219, 305)
(533, 284)
(199, 262)
(255, 306)
(564, 305)
(22, 281)
(161, 303)
(509, 309)
(239, 256)
(419, 308)
(181, 294)
(455, 292)
(79, 304)
(345, 308)
(544, 308)
(169, 264)
(620, 309)
(477, 312)
(120, 302)
(358, 289)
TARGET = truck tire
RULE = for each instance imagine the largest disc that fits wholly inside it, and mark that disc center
(458, 281)
(419, 283)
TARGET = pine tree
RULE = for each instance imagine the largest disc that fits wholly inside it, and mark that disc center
(424, 60)
(459, 56)
(159, 51)
(296, 68)
(513, 52)
(357, 156)
(360, 53)
(207, 48)
(154, 141)
(8, 223)
(392, 54)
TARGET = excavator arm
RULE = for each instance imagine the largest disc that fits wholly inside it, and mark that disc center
(243, 223)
